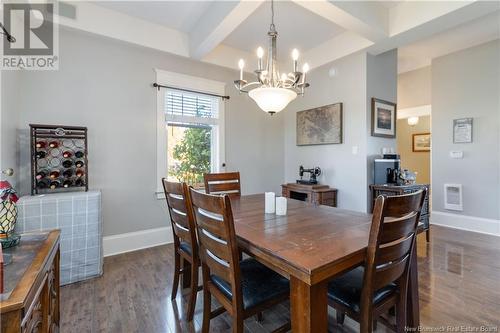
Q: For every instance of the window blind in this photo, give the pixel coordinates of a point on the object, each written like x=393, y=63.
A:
x=183, y=103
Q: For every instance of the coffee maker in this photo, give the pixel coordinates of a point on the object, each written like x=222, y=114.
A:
x=386, y=169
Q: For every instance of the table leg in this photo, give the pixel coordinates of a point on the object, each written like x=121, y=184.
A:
x=186, y=274
x=413, y=310
x=309, y=307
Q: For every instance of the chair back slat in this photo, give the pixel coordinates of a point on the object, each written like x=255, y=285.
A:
x=213, y=225
x=401, y=205
x=390, y=272
x=217, y=266
x=394, y=229
x=223, y=183
x=177, y=202
x=181, y=219
x=218, y=245
x=393, y=251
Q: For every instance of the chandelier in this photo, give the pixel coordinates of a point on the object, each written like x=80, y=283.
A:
x=273, y=91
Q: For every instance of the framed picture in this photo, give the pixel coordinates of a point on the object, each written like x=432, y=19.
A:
x=383, y=118
x=462, y=130
x=421, y=142
x=320, y=126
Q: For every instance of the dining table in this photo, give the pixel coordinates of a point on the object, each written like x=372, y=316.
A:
x=310, y=245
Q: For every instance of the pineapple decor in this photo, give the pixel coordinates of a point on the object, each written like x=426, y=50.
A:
x=8, y=215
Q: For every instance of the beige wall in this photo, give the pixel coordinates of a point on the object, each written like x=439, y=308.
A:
x=414, y=88
x=419, y=162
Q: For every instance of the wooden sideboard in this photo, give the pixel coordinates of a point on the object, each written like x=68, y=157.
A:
x=390, y=190
x=30, y=302
x=316, y=194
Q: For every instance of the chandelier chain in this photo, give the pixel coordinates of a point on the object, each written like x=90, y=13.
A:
x=272, y=15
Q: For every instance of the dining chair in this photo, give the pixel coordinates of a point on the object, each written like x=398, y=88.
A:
x=368, y=291
x=243, y=288
x=223, y=183
x=185, y=240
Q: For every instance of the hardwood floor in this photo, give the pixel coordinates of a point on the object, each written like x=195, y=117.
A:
x=459, y=274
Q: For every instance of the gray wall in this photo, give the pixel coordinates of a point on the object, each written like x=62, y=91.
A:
x=358, y=78
x=414, y=88
x=341, y=168
x=382, y=74
x=9, y=119
x=466, y=84
x=105, y=85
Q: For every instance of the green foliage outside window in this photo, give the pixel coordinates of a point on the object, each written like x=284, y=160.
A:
x=193, y=156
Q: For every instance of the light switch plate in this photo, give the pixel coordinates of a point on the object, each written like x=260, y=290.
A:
x=456, y=154
x=355, y=150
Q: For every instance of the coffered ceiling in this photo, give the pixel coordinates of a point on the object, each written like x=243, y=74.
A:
x=221, y=32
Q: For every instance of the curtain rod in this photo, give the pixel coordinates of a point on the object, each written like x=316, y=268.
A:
x=156, y=85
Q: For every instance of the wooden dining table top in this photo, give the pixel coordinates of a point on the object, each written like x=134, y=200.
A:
x=311, y=242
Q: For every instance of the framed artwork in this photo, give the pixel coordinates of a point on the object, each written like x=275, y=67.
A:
x=421, y=142
x=383, y=118
x=320, y=126
x=462, y=130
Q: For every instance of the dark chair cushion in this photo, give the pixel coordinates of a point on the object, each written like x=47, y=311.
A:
x=186, y=247
x=346, y=289
x=258, y=284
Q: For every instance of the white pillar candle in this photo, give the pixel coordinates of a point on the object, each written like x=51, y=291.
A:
x=281, y=206
x=270, y=202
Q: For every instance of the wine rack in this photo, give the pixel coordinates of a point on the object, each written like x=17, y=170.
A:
x=59, y=160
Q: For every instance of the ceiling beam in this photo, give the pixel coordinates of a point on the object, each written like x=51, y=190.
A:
x=444, y=17
x=220, y=20
x=367, y=19
x=330, y=50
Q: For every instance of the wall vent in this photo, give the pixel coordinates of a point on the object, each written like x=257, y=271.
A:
x=453, y=197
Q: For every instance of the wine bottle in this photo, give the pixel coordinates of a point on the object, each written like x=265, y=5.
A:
x=67, y=154
x=79, y=154
x=79, y=173
x=79, y=164
x=67, y=163
x=67, y=173
x=44, y=183
x=41, y=144
x=53, y=144
x=79, y=182
x=54, y=184
x=67, y=183
x=54, y=174
x=41, y=154
x=41, y=174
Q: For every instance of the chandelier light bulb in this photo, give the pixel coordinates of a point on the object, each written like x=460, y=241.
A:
x=241, y=64
x=305, y=68
x=295, y=54
x=283, y=77
x=260, y=52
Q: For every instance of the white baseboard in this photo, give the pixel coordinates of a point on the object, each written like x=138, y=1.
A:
x=466, y=222
x=133, y=241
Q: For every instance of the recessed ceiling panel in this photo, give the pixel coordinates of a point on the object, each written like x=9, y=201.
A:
x=179, y=15
x=297, y=28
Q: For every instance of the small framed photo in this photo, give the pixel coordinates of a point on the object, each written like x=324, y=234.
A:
x=421, y=142
x=383, y=118
x=462, y=130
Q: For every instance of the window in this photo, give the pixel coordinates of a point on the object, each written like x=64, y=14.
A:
x=190, y=129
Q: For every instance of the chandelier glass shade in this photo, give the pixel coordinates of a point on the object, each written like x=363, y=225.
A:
x=272, y=90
